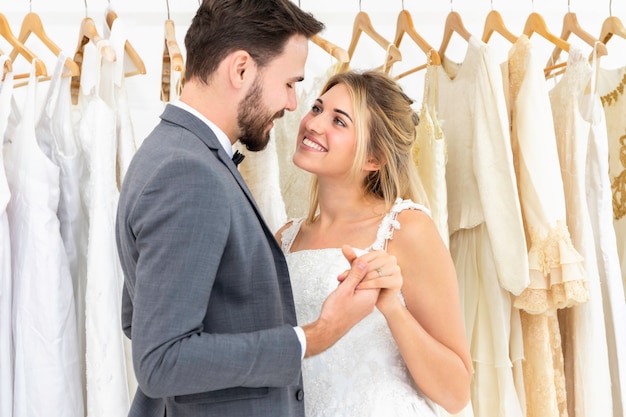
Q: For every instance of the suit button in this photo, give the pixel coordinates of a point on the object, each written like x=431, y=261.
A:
x=299, y=395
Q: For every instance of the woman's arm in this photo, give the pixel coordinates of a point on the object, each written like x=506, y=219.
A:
x=429, y=331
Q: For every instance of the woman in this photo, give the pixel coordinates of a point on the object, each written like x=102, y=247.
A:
x=411, y=351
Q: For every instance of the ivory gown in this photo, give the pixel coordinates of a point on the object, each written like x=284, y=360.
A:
x=487, y=239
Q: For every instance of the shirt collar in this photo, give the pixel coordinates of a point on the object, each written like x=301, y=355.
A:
x=221, y=136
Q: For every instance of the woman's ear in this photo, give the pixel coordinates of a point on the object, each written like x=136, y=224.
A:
x=372, y=164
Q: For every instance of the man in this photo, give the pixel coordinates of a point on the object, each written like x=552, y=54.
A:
x=207, y=299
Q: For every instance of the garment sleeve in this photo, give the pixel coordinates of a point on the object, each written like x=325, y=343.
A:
x=557, y=276
x=495, y=174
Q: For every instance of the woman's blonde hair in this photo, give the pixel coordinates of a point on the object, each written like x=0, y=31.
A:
x=385, y=129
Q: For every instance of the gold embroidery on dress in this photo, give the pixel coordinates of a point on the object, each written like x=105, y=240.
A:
x=619, y=184
x=611, y=98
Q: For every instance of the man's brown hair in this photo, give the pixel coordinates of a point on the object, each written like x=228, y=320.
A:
x=260, y=27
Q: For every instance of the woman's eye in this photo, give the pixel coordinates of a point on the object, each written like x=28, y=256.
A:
x=316, y=109
x=340, y=122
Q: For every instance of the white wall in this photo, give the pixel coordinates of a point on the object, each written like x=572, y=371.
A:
x=145, y=19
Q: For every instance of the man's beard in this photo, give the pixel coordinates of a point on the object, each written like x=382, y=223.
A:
x=254, y=119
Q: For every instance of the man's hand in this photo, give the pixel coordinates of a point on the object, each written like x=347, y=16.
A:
x=343, y=308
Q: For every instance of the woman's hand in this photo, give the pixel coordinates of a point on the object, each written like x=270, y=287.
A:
x=383, y=273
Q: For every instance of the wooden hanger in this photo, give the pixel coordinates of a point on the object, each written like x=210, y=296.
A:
x=128, y=48
x=340, y=54
x=405, y=25
x=172, y=60
x=88, y=33
x=32, y=24
x=535, y=23
x=454, y=23
x=571, y=26
x=363, y=24
x=21, y=49
x=612, y=26
x=494, y=23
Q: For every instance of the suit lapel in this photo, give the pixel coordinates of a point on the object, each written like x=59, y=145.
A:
x=200, y=129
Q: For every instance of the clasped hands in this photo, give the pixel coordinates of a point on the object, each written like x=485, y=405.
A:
x=381, y=273
x=374, y=280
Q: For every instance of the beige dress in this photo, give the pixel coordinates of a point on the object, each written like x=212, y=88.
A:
x=557, y=276
x=582, y=326
x=487, y=240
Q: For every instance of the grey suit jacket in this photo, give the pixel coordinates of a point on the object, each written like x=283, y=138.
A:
x=207, y=300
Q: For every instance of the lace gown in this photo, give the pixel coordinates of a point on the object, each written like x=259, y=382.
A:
x=557, y=276
x=363, y=374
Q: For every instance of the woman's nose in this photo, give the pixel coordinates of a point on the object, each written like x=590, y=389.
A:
x=314, y=123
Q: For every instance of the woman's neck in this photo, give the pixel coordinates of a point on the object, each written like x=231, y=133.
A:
x=347, y=204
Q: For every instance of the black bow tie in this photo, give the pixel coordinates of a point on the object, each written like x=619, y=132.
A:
x=238, y=157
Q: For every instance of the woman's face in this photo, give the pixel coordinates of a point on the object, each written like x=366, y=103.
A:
x=326, y=142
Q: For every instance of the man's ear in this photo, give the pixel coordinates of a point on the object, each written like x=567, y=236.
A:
x=242, y=68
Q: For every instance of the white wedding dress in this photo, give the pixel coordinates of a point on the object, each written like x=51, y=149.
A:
x=363, y=374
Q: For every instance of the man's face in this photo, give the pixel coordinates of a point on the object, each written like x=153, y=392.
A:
x=272, y=92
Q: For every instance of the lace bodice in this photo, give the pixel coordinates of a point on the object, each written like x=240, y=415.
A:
x=363, y=374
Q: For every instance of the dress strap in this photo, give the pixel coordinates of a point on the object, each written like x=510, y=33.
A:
x=289, y=235
x=390, y=222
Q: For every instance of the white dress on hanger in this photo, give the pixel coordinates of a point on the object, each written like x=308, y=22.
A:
x=47, y=371
x=582, y=326
x=6, y=287
x=487, y=239
x=599, y=200
x=611, y=87
x=557, y=276
x=363, y=374
x=55, y=135
x=125, y=145
x=107, y=379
